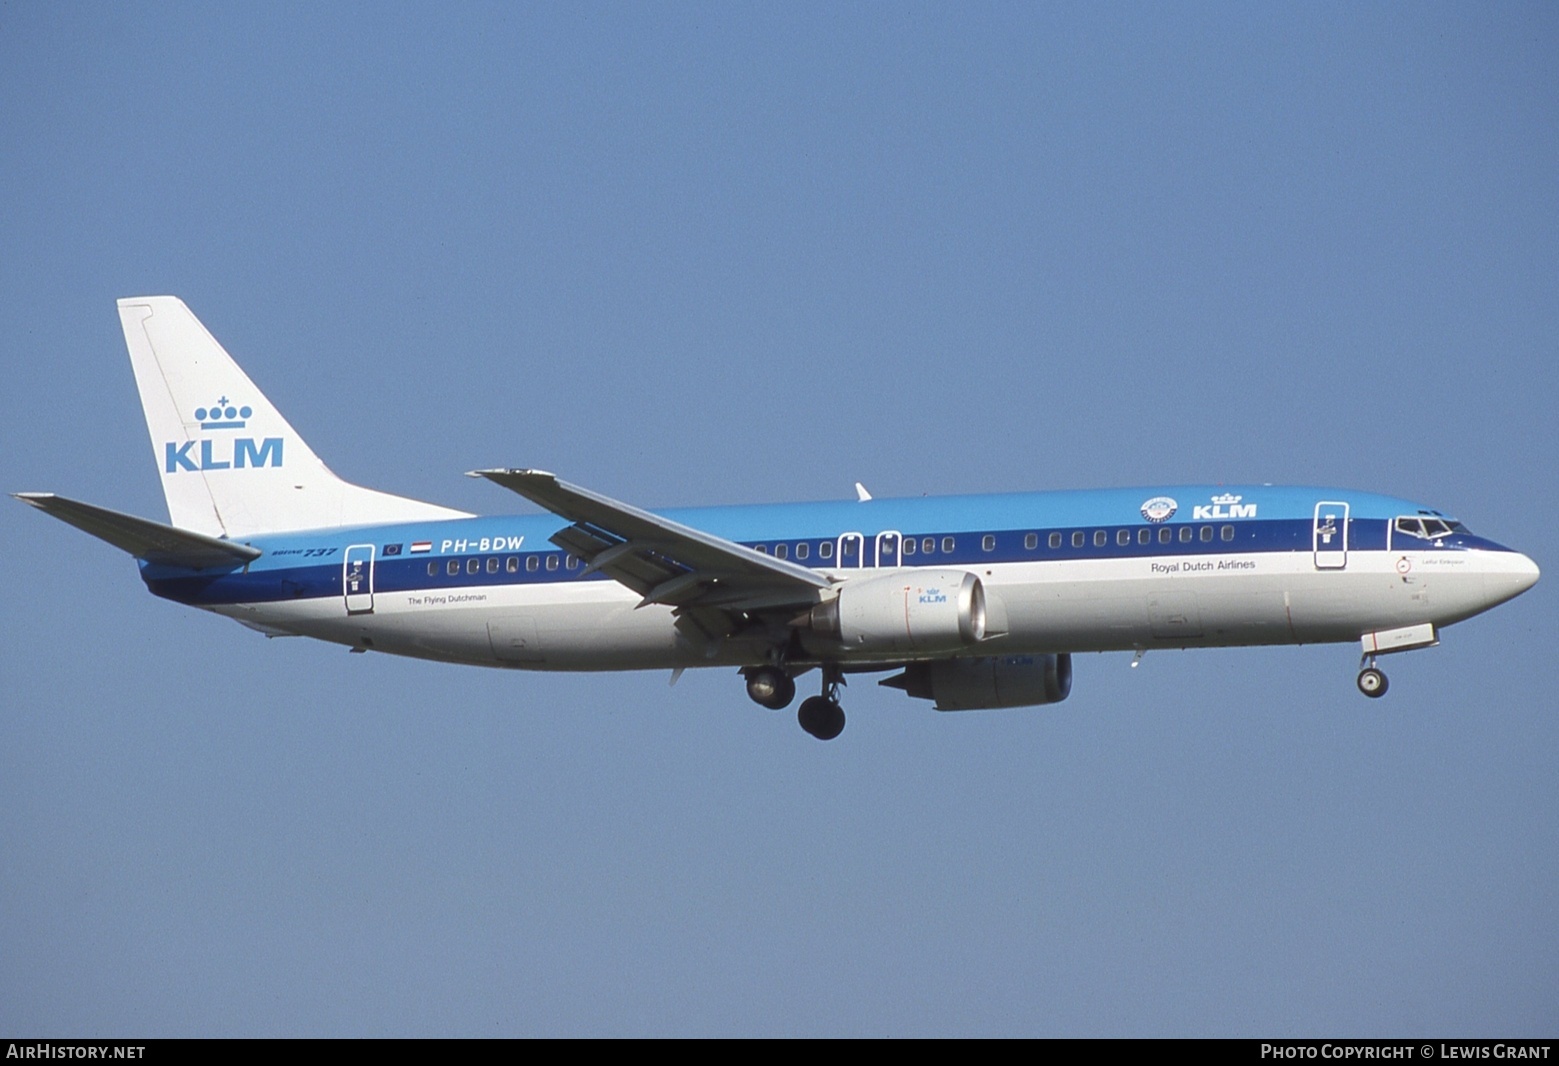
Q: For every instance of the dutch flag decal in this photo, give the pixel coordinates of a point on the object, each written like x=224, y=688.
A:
x=419, y=546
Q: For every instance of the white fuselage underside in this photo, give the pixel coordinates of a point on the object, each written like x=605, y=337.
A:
x=1213, y=600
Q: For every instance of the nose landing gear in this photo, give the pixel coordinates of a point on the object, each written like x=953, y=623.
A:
x=1371, y=682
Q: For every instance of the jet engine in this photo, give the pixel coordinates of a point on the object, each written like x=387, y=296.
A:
x=988, y=682
x=919, y=610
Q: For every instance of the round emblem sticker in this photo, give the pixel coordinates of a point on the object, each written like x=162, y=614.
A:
x=1159, y=509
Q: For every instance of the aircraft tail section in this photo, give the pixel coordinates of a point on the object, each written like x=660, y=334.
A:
x=231, y=465
x=152, y=541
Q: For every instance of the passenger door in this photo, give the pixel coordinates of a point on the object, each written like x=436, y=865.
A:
x=1329, y=536
x=357, y=579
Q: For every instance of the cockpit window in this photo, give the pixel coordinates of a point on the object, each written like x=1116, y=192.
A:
x=1428, y=528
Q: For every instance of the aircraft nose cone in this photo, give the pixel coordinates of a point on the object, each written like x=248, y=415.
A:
x=1515, y=574
x=1527, y=574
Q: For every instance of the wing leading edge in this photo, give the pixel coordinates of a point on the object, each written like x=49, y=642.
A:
x=701, y=575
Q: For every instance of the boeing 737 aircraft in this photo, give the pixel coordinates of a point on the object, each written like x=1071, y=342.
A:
x=972, y=601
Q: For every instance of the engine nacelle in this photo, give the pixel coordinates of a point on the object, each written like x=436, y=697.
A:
x=989, y=682
x=917, y=610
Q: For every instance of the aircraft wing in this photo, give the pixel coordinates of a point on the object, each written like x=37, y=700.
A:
x=141, y=537
x=664, y=561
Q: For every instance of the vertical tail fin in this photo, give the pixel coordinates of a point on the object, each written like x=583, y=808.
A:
x=230, y=463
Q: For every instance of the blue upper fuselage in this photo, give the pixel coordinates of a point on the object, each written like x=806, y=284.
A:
x=941, y=531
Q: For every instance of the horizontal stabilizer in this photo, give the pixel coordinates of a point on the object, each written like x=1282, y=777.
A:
x=142, y=538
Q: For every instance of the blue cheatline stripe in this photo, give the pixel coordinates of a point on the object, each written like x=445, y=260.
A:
x=1083, y=509
x=316, y=571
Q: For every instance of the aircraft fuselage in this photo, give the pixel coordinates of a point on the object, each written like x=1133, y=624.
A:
x=1063, y=571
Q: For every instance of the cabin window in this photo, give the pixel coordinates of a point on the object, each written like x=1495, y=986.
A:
x=803, y=550
x=761, y=549
x=825, y=550
x=1031, y=541
x=492, y=564
x=1144, y=535
x=432, y=568
x=1165, y=535
x=1078, y=539
x=1055, y=540
x=473, y=566
x=781, y=551
x=552, y=562
x=1207, y=534
x=512, y=564
x=988, y=543
x=1123, y=537
x=909, y=545
x=452, y=567
x=928, y=545
x=1100, y=538
x=1185, y=534
x=533, y=563
x=1227, y=532
x=947, y=545
x=571, y=562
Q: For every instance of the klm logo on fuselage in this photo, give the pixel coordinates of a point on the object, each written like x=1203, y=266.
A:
x=933, y=596
x=1225, y=506
x=243, y=453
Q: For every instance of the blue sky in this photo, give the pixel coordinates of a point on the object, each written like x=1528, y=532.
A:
x=698, y=254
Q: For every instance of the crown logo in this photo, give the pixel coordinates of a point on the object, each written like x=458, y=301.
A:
x=222, y=415
x=1228, y=499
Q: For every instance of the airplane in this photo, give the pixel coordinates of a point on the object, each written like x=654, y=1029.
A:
x=972, y=602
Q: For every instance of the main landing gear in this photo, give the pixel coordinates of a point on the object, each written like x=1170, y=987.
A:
x=821, y=716
x=771, y=687
x=1372, y=682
